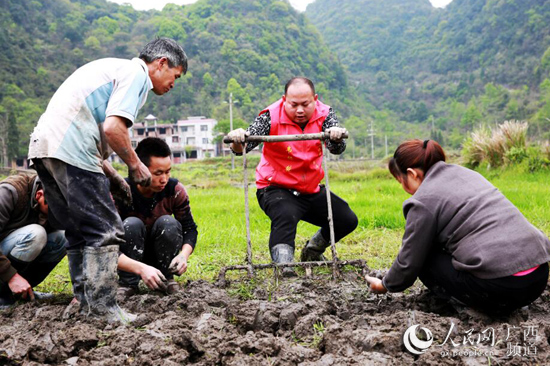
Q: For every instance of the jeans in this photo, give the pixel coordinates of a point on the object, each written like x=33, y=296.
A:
x=33, y=252
x=286, y=209
x=156, y=248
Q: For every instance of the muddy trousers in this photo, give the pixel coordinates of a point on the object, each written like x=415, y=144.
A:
x=156, y=248
x=495, y=296
x=286, y=208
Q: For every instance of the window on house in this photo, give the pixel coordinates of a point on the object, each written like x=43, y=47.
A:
x=175, y=139
x=204, y=127
x=205, y=141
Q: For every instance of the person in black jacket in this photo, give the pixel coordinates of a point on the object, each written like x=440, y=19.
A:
x=29, y=248
x=463, y=238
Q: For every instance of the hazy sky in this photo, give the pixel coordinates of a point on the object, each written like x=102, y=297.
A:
x=159, y=4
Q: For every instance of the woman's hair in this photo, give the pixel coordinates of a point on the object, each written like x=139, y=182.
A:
x=415, y=154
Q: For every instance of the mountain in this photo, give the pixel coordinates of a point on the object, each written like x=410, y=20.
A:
x=248, y=48
x=474, y=62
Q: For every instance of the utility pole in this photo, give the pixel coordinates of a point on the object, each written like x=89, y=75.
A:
x=371, y=134
x=231, y=127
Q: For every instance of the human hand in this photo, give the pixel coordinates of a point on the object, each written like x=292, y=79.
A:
x=153, y=278
x=179, y=264
x=376, y=285
x=239, y=135
x=336, y=134
x=140, y=175
x=120, y=190
x=20, y=286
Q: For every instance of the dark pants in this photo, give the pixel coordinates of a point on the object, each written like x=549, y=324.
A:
x=156, y=248
x=80, y=203
x=286, y=209
x=496, y=296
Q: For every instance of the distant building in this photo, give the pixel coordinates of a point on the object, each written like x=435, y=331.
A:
x=190, y=138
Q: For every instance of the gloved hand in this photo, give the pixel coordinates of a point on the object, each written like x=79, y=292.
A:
x=239, y=135
x=120, y=190
x=179, y=264
x=336, y=134
x=140, y=175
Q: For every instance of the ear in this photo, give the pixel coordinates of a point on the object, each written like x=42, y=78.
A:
x=39, y=194
x=412, y=173
x=284, y=98
x=315, y=97
x=162, y=61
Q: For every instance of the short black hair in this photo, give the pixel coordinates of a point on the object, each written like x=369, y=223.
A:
x=300, y=80
x=152, y=146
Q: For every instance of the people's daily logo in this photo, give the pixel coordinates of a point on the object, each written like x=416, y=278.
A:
x=413, y=344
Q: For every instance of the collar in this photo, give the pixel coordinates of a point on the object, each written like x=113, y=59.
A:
x=146, y=69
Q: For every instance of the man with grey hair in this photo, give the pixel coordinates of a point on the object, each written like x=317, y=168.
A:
x=86, y=120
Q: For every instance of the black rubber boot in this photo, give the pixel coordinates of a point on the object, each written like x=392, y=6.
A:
x=100, y=284
x=284, y=253
x=6, y=297
x=314, y=249
x=75, y=259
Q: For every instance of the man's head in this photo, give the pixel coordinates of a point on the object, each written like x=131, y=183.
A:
x=156, y=155
x=40, y=198
x=166, y=61
x=300, y=100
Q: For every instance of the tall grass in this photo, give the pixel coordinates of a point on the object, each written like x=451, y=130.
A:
x=503, y=144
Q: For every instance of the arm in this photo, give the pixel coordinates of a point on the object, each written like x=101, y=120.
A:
x=260, y=127
x=418, y=240
x=336, y=145
x=118, y=139
x=152, y=277
x=119, y=188
x=182, y=213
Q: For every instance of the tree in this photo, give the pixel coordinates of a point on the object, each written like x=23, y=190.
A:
x=13, y=137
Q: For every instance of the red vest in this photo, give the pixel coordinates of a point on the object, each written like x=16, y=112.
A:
x=295, y=165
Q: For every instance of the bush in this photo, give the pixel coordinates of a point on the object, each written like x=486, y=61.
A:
x=505, y=144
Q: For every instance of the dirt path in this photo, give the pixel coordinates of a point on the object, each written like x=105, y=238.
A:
x=299, y=322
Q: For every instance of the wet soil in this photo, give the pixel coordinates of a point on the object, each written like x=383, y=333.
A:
x=293, y=322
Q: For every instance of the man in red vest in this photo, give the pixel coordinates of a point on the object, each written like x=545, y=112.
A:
x=289, y=173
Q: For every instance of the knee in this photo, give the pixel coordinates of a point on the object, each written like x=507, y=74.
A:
x=33, y=242
x=133, y=226
x=348, y=222
x=166, y=226
x=56, y=245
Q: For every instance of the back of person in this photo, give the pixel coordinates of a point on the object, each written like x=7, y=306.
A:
x=478, y=225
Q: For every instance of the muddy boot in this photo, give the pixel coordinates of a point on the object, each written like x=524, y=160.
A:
x=75, y=258
x=6, y=297
x=314, y=249
x=100, y=284
x=172, y=287
x=284, y=253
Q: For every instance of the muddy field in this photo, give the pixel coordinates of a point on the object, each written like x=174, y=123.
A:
x=293, y=322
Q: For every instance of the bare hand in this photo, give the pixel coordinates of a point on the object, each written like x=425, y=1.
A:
x=153, y=278
x=179, y=264
x=120, y=190
x=140, y=175
x=376, y=285
x=239, y=135
x=20, y=286
x=336, y=134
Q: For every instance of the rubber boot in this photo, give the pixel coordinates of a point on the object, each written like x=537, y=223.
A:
x=283, y=253
x=314, y=249
x=100, y=284
x=6, y=297
x=75, y=258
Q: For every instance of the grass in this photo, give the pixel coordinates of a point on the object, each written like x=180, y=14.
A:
x=217, y=203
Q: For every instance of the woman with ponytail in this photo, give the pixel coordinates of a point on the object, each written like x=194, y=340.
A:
x=463, y=238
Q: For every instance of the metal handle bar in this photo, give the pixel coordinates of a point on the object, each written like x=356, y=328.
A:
x=281, y=138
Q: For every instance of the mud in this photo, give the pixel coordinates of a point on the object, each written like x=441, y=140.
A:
x=294, y=322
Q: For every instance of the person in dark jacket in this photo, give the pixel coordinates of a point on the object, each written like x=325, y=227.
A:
x=159, y=229
x=463, y=238
x=29, y=248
